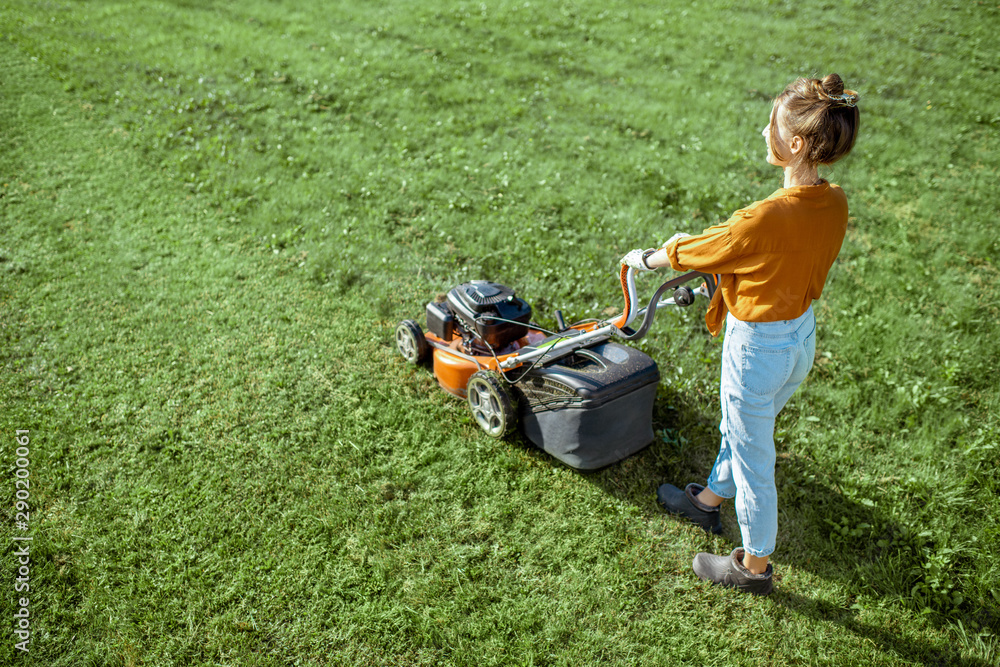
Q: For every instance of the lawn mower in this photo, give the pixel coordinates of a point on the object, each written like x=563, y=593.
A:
x=577, y=394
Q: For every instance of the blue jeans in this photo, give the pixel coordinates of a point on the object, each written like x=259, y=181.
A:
x=763, y=363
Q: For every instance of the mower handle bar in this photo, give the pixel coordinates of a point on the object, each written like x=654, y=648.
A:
x=649, y=312
x=620, y=326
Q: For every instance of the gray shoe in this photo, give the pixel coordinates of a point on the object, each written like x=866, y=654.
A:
x=729, y=571
x=683, y=503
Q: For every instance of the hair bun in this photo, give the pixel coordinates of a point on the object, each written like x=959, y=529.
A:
x=834, y=91
x=832, y=84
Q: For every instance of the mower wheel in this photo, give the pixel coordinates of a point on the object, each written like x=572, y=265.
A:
x=410, y=341
x=491, y=403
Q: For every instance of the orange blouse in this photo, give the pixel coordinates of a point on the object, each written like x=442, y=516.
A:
x=772, y=257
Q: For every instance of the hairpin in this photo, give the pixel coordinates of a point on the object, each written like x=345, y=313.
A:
x=846, y=100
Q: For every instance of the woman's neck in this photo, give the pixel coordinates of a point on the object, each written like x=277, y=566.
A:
x=801, y=174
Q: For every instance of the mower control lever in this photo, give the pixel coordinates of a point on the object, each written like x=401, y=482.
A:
x=704, y=291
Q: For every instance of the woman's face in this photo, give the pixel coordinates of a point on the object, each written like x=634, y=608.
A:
x=785, y=144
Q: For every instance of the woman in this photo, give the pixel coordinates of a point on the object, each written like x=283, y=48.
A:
x=772, y=259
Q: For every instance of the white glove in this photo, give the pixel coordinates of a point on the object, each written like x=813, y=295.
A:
x=636, y=259
x=678, y=235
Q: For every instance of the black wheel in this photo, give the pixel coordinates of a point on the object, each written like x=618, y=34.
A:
x=491, y=403
x=410, y=341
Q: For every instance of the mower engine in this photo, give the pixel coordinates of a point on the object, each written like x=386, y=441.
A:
x=488, y=316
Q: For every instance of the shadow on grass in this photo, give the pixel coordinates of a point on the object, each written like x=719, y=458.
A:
x=818, y=526
x=907, y=648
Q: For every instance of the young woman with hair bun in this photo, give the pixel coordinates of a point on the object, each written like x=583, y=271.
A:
x=772, y=260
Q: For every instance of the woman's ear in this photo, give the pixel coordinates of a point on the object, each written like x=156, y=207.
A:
x=796, y=145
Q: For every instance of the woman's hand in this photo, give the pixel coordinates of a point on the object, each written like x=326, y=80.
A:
x=636, y=259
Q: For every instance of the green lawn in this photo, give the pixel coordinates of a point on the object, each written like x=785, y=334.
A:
x=213, y=214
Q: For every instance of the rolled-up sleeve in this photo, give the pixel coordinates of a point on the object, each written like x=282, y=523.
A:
x=712, y=251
